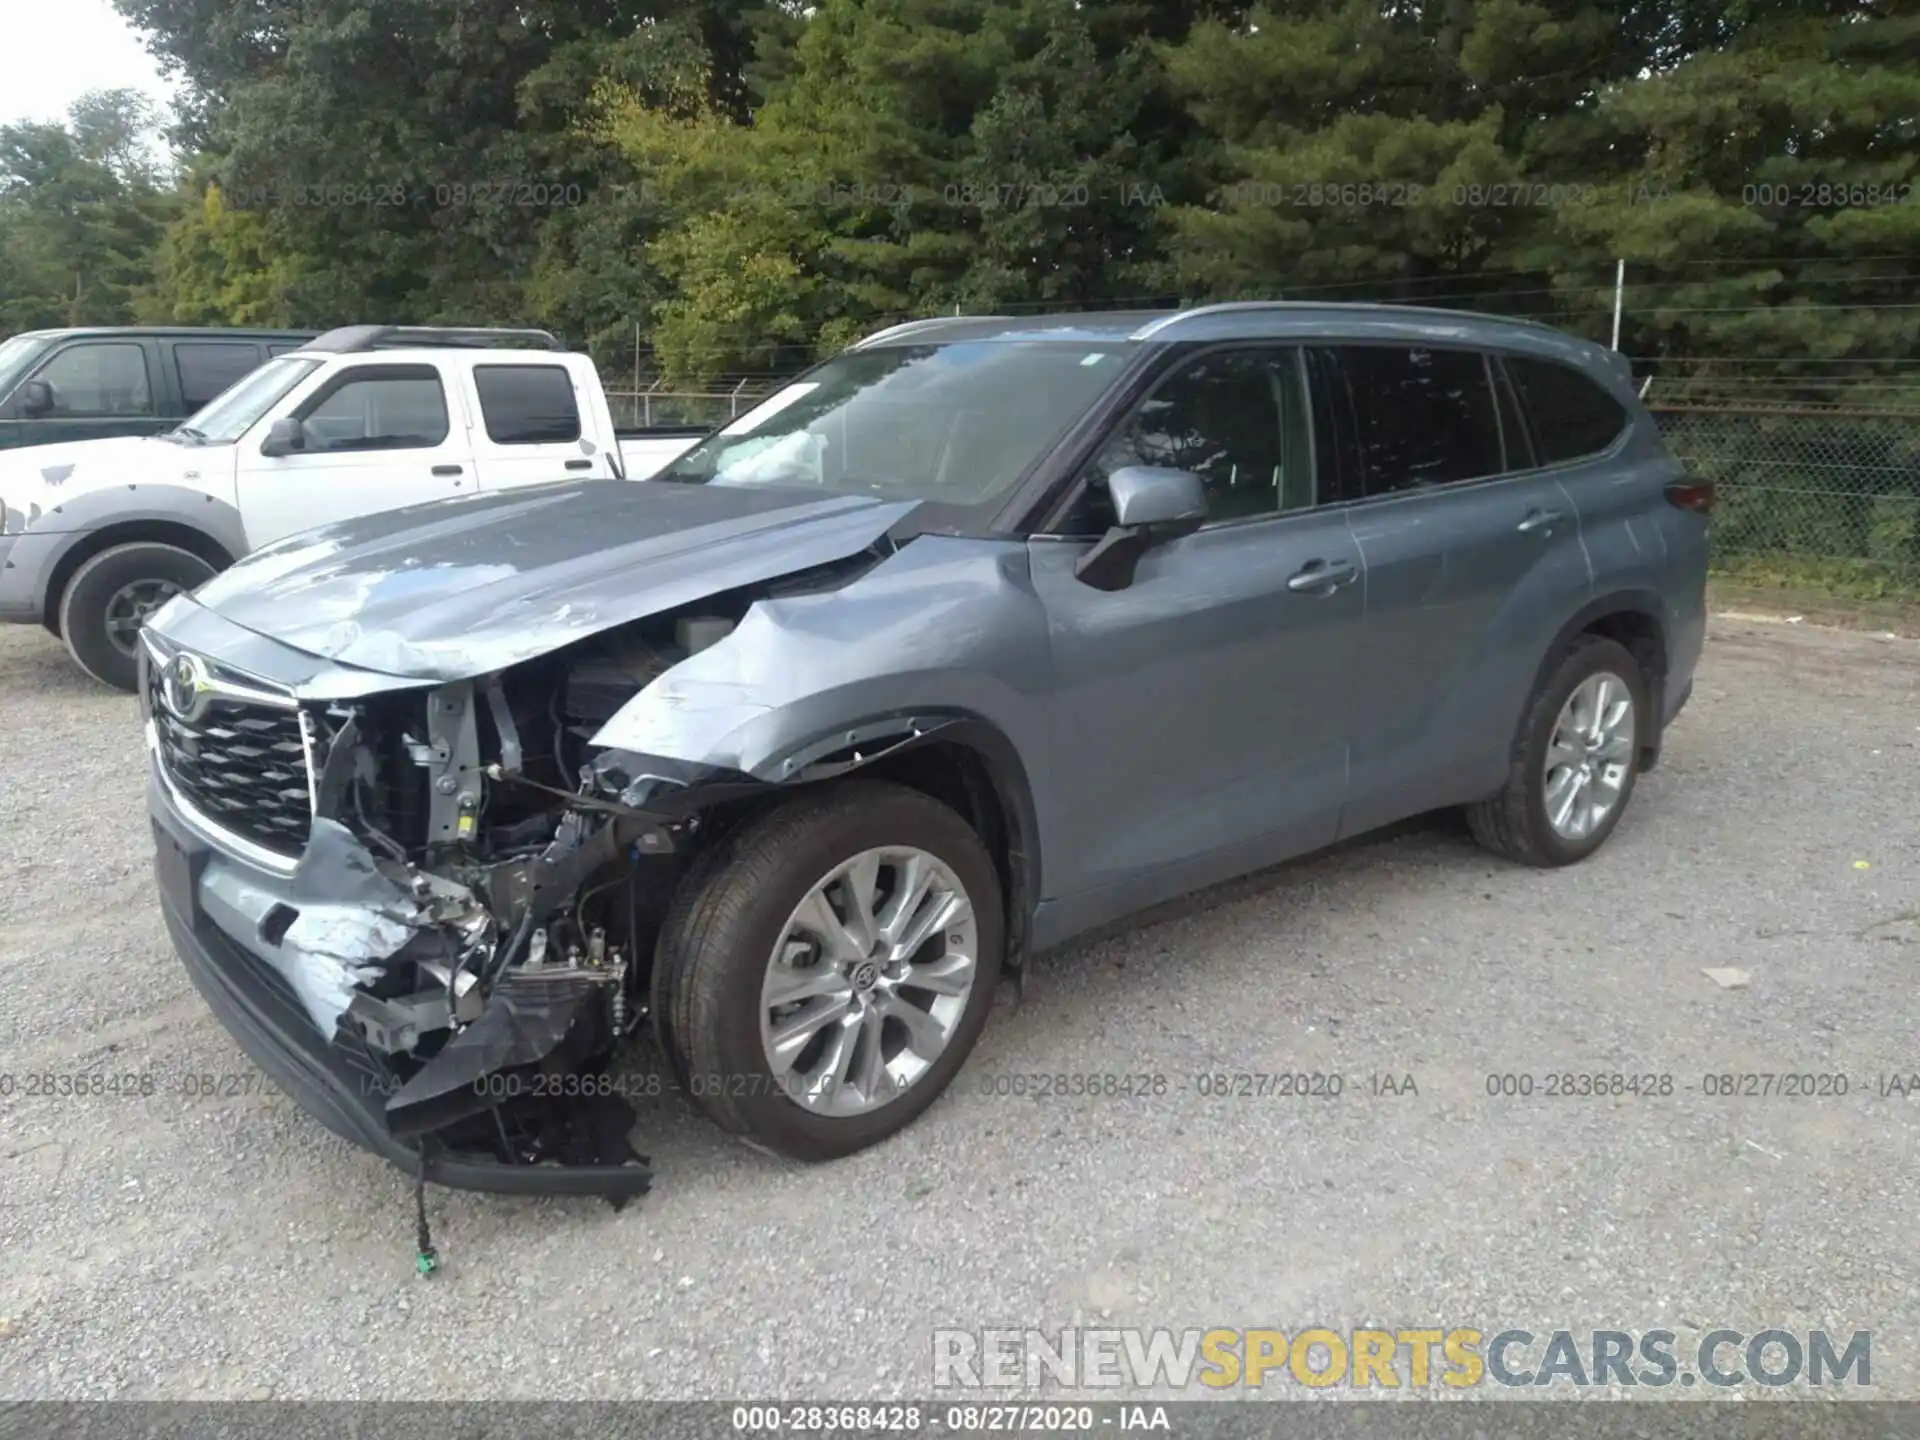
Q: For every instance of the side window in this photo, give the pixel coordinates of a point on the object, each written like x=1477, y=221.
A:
x=527, y=404
x=1421, y=417
x=208, y=367
x=1236, y=418
x=286, y=347
x=1513, y=424
x=91, y=381
x=1571, y=416
x=384, y=407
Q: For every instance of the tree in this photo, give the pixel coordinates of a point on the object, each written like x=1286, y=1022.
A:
x=220, y=266
x=1354, y=142
x=81, y=213
x=1787, y=156
x=913, y=156
x=412, y=151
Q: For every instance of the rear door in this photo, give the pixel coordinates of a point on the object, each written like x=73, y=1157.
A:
x=1200, y=722
x=378, y=436
x=1473, y=563
x=531, y=424
x=205, y=368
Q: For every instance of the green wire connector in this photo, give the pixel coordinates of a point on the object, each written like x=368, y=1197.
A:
x=426, y=1259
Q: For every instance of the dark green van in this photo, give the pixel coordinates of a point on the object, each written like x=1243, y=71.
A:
x=89, y=384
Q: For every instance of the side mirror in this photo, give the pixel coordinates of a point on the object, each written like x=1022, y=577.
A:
x=1151, y=506
x=284, y=437
x=36, y=399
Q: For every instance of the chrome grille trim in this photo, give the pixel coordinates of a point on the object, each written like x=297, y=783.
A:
x=209, y=828
x=224, y=681
x=243, y=771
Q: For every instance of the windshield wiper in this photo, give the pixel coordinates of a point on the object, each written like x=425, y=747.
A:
x=187, y=432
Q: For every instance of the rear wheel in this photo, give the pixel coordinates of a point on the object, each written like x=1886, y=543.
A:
x=1575, y=765
x=821, y=981
x=110, y=597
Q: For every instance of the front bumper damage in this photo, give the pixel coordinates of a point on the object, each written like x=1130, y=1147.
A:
x=418, y=1014
x=427, y=905
x=499, y=1105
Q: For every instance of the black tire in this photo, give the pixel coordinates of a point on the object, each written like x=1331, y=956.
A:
x=726, y=919
x=93, y=588
x=1514, y=822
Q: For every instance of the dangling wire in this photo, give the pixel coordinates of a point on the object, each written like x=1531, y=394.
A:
x=426, y=1259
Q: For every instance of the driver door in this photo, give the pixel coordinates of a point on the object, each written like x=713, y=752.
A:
x=377, y=437
x=1202, y=716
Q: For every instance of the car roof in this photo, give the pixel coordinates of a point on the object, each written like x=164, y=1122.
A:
x=162, y=332
x=427, y=354
x=1265, y=320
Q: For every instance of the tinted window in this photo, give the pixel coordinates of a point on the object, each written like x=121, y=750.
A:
x=1421, y=417
x=1235, y=418
x=206, y=369
x=1571, y=415
x=393, y=407
x=1513, y=426
x=527, y=404
x=88, y=380
x=286, y=349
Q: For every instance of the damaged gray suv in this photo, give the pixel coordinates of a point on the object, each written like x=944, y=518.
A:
x=980, y=635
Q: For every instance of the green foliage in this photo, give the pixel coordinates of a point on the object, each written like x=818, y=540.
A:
x=219, y=266
x=1782, y=154
x=748, y=185
x=910, y=156
x=81, y=211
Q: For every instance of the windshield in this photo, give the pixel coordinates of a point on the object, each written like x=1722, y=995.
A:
x=16, y=354
x=231, y=413
x=956, y=424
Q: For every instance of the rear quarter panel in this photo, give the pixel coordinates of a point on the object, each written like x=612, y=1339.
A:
x=1638, y=542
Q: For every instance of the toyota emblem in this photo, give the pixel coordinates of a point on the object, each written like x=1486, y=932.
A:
x=184, y=688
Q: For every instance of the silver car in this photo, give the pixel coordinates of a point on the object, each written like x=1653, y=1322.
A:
x=979, y=635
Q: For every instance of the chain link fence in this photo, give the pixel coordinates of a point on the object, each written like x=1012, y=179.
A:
x=1822, y=498
x=1825, y=497
x=656, y=405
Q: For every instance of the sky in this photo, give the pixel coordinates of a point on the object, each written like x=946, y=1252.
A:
x=57, y=50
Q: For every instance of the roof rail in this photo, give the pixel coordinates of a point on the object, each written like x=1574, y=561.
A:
x=910, y=327
x=355, y=339
x=1155, y=327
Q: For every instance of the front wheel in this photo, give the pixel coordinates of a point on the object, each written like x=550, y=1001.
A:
x=1576, y=761
x=110, y=597
x=820, y=981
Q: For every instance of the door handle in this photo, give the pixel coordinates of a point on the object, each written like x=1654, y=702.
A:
x=446, y=470
x=1317, y=577
x=579, y=464
x=1539, y=520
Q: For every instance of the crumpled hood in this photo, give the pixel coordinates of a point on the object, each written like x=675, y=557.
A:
x=35, y=479
x=456, y=588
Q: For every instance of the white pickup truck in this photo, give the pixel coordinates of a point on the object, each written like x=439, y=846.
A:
x=96, y=534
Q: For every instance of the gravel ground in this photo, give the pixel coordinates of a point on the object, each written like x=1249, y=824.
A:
x=178, y=1248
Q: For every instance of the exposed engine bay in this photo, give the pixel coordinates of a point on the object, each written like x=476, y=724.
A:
x=494, y=883
x=525, y=893
x=433, y=801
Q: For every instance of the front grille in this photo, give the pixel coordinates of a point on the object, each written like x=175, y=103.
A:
x=242, y=765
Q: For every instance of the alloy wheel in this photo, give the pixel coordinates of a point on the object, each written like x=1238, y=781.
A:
x=868, y=981
x=1590, y=755
x=130, y=606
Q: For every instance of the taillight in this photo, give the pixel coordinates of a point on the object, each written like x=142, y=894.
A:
x=1694, y=495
